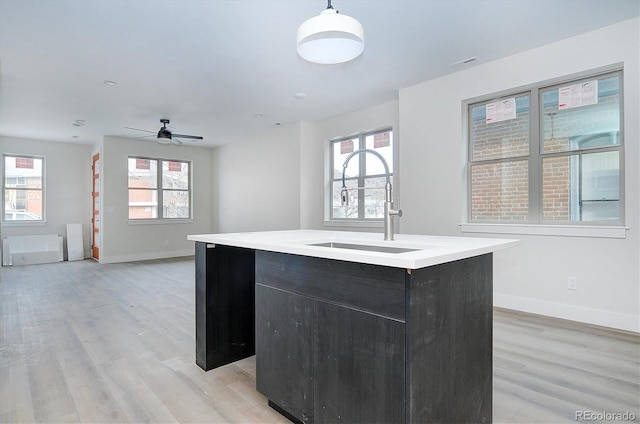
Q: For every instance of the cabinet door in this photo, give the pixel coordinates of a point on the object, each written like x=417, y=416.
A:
x=225, y=289
x=284, y=325
x=359, y=367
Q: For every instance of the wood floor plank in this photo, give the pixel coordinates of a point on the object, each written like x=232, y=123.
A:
x=94, y=402
x=15, y=394
x=137, y=401
x=85, y=342
x=51, y=398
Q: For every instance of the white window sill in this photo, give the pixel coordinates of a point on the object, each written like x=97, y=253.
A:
x=164, y=221
x=547, y=230
x=24, y=223
x=354, y=224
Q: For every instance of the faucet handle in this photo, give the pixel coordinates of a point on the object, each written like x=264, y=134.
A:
x=344, y=194
x=395, y=212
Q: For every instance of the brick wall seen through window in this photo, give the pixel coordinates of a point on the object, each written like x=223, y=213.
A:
x=558, y=165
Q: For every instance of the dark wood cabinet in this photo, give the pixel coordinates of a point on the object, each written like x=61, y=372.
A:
x=450, y=342
x=346, y=342
x=347, y=321
x=225, y=297
x=284, y=338
x=359, y=374
x=339, y=341
x=321, y=362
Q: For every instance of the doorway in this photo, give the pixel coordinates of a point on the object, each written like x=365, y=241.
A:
x=95, y=209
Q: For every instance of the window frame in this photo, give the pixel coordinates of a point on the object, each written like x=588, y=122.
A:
x=536, y=223
x=361, y=138
x=580, y=153
x=501, y=160
x=24, y=222
x=160, y=189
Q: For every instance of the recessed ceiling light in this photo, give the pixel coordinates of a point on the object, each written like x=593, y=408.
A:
x=259, y=115
x=79, y=123
x=299, y=95
x=110, y=83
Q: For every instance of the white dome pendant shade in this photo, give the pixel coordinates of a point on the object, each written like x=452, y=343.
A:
x=330, y=38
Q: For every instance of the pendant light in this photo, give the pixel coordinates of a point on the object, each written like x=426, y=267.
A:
x=330, y=38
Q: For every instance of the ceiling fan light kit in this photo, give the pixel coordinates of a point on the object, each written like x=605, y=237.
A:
x=330, y=38
x=166, y=136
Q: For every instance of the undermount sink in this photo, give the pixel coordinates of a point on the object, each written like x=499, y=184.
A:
x=369, y=248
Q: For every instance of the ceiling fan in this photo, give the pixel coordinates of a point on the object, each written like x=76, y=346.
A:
x=166, y=135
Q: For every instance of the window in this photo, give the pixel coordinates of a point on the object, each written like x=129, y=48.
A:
x=549, y=155
x=365, y=176
x=159, y=189
x=23, y=188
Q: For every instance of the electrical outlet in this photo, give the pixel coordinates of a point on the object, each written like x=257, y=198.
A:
x=572, y=283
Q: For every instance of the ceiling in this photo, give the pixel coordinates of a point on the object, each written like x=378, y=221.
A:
x=228, y=70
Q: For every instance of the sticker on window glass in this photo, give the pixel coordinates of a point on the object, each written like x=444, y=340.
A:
x=576, y=95
x=24, y=163
x=143, y=164
x=175, y=166
x=500, y=111
x=381, y=140
x=346, y=147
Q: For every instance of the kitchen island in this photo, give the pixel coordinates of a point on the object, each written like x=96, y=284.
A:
x=349, y=328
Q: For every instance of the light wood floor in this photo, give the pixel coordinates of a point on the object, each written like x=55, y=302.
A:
x=84, y=342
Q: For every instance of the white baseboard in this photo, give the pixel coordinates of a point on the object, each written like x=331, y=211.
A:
x=146, y=256
x=620, y=321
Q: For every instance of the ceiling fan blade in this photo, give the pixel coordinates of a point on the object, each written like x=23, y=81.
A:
x=194, y=137
x=138, y=129
x=145, y=136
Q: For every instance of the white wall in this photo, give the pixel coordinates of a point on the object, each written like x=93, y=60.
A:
x=123, y=240
x=258, y=182
x=532, y=277
x=67, y=190
x=312, y=182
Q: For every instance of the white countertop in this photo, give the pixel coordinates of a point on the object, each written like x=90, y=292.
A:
x=430, y=250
